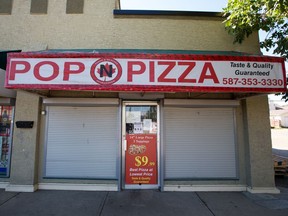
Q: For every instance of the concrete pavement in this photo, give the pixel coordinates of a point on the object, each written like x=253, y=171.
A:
x=144, y=202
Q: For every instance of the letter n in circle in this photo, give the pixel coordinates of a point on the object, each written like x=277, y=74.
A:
x=108, y=70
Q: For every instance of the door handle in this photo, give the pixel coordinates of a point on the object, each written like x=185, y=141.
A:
x=125, y=145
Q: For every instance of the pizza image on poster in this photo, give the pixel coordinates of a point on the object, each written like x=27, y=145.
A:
x=141, y=159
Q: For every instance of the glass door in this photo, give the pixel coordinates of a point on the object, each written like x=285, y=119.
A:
x=6, y=125
x=140, y=145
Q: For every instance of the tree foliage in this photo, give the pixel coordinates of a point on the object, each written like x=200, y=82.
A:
x=243, y=17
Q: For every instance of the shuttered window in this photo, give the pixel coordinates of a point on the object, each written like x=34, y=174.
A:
x=6, y=6
x=199, y=143
x=39, y=6
x=74, y=6
x=82, y=142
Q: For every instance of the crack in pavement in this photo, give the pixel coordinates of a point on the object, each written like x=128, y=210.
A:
x=1, y=204
x=205, y=204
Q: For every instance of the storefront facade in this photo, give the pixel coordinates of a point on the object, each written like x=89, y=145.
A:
x=156, y=116
x=152, y=139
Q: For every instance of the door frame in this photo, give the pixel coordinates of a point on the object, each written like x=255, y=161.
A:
x=123, y=144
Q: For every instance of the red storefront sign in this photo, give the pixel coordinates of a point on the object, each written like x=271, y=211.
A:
x=145, y=72
x=141, y=159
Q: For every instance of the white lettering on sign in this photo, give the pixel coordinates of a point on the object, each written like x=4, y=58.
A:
x=116, y=73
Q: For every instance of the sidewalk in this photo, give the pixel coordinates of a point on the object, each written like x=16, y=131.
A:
x=144, y=202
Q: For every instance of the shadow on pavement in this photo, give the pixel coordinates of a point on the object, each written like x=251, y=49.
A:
x=281, y=181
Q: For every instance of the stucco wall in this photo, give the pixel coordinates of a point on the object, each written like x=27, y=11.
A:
x=97, y=27
x=258, y=143
x=24, y=159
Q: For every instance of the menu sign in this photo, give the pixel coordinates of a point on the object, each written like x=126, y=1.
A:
x=141, y=159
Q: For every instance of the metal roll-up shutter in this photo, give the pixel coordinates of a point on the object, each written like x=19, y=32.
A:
x=199, y=143
x=82, y=142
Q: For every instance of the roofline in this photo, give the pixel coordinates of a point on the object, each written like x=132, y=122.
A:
x=168, y=13
x=148, y=51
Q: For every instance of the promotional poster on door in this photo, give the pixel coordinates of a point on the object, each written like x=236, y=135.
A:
x=141, y=159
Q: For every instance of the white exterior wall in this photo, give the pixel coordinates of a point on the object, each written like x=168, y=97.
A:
x=284, y=121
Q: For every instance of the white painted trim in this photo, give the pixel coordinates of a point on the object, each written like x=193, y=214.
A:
x=80, y=101
x=220, y=188
x=206, y=188
x=21, y=188
x=78, y=187
x=269, y=190
x=201, y=103
x=3, y=185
